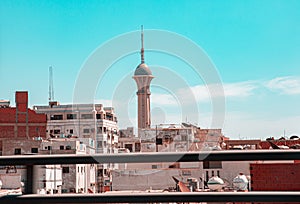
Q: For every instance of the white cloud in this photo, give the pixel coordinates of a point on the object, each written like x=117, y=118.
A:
x=240, y=89
x=203, y=93
x=289, y=85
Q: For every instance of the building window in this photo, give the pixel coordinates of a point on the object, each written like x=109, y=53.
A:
x=87, y=116
x=17, y=151
x=71, y=116
x=34, y=150
x=57, y=131
x=49, y=148
x=129, y=147
x=218, y=173
x=61, y=147
x=100, y=172
x=86, y=130
x=99, y=144
x=212, y=164
x=154, y=166
x=56, y=117
x=65, y=170
x=68, y=147
x=98, y=116
x=99, y=129
x=71, y=131
x=137, y=147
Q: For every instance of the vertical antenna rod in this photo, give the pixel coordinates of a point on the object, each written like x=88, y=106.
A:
x=142, y=42
x=51, y=89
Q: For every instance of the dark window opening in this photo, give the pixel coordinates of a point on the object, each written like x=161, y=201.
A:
x=61, y=147
x=71, y=131
x=68, y=147
x=18, y=151
x=154, y=166
x=56, y=117
x=99, y=144
x=66, y=170
x=137, y=147
x=99, y=130
x=71, y=116
x=128, y=146
x=99, y=172
x=87, y=116
x=159, y=141
x=34, y=150
x=212, y=164
x=56, y=131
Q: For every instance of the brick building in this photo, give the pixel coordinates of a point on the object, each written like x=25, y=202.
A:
x=275, y=177
x=20, y=121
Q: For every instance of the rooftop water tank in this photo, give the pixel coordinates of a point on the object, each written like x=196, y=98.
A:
x=240, y=182
x=215, y=183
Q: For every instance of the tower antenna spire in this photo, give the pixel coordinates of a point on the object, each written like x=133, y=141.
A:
x=142, y=43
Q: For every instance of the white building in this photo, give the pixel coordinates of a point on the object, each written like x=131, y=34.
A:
x=94, y=125
x=82, y=121
x=76, y=178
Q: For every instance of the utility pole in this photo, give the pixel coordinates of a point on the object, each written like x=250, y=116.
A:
x=51, y=88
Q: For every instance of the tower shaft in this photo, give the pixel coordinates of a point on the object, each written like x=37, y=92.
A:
x=143, y=94
x=143, y=77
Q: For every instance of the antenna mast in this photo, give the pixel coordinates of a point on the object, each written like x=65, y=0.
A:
x=142, y=43
x=51, y=89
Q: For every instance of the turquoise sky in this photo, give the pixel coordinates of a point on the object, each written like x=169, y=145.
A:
x=255, y=46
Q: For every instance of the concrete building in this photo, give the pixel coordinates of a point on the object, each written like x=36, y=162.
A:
x=143, y=77
x=77, y=178
x=93, y=125
x=20, y=121
x=173, y=138
x=128, y=142
x=167, y=138
x=83, y=121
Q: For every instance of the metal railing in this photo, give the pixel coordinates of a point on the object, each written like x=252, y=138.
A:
x=235, y=155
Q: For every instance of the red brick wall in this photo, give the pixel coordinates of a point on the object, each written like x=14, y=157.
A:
x=36, y=122
x=22, y=100
x=275, y=177
x=266, y=144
